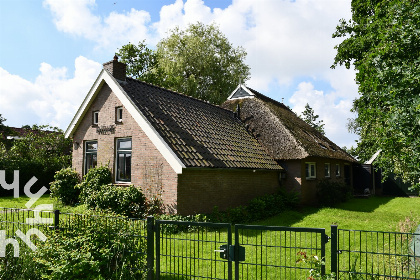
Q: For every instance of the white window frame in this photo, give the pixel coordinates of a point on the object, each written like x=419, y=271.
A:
x=95, y=117
x=125, y=152
x=337, y=170
x=118, y=114
x=327, y=170
x=310, y=175
x=88, y=152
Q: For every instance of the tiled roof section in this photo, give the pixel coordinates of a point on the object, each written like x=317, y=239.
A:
x=283, y=134
x=200, y=134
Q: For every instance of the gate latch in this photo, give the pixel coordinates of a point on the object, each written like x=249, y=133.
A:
x=224, y=253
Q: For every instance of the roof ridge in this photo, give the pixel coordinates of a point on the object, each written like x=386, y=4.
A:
x=269, y=99
x=179, y=93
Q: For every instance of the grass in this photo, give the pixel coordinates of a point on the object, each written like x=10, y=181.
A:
x=181, y=250
x=19, y=202
x=11, y=202
x=374, y=213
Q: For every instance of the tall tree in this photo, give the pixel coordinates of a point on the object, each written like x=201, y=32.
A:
x=198, y=61
x=382, y=41
x=141, y=62
x=309, y=117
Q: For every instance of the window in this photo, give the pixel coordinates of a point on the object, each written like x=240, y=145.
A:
x=310, y=170
x=95, y=119
x=337, y=170
x=123, y=160
x=118, y=114
x=327, y=171
x=91, y=155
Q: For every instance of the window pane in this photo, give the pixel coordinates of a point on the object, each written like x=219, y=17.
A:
x=95, y=117
x=312, y=170
x=92, y=146
x=128, y=167
x=124, y=167
x=327, y=170
x=124, y=144
x=91, y=161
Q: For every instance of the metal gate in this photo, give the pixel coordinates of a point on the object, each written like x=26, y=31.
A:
x=193, y=250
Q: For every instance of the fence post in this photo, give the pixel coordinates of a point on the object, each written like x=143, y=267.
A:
x=150, y=248
x=56, y=219
x=334, y=251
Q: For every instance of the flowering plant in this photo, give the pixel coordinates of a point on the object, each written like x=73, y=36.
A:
x=316, y=263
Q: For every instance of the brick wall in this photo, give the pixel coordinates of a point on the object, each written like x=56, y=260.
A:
x=150, y=171
x=199, y=190
x=306, y=188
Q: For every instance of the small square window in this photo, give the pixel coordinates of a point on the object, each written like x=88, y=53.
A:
x=327, y=171
x=95, y=119
x=118, y=114
x=310, y=168
x=337, y=170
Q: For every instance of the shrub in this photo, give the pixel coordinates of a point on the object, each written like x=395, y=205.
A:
x=257, y=209
x=171, y=228
x=128, y=201
x=92, y=247
x=40, y=153
x=96, y=191
x=20, y=268
x=63, y=186
x=92, y=183
x=330, y=193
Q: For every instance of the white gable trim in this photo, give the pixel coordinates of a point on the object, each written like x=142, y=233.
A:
x=244, y=88
x=145, y=125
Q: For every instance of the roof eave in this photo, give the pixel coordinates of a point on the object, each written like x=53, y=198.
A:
x=104, y=77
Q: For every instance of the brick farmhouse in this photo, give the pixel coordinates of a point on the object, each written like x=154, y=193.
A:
x=195, y=155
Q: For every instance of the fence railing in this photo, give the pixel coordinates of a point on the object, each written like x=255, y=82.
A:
x=185, y=250
x=377, y=254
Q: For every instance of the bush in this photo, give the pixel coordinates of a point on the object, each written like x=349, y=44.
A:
x=330, y=193
x=257, y=209
x=93, y=247
x=40, y=153
x=92, y=183
x=96, y=191
x=63, y=186
x=128, y=201
x=20, y=268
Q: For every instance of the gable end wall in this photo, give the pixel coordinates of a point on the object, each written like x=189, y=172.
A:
x=150, y=170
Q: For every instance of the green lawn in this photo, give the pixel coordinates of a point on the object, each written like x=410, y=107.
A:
x=192, y=253
x=11, y=202
x=374, y=213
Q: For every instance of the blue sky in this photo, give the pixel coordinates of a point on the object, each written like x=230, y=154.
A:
x=51, y=51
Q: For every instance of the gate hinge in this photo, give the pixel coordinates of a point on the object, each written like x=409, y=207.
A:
x=328, y=238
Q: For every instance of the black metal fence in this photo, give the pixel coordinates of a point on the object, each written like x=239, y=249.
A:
x=365, y=254
x=193, y=250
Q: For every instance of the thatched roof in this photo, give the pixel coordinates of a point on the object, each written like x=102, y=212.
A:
x=284, y=135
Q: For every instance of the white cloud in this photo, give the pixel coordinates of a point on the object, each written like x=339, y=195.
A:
x=52, y=99
x=110, y=32
x=286, y=42
x=331, y=107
